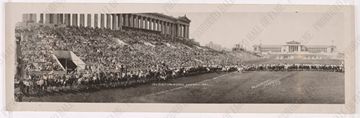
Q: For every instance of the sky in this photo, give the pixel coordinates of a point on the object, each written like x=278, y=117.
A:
x=251, y=28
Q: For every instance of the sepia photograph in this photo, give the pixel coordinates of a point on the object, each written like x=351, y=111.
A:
x=281, y=55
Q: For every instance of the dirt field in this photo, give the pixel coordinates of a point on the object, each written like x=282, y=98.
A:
x=248, y=87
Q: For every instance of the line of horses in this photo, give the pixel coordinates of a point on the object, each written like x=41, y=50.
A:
x=47, y=84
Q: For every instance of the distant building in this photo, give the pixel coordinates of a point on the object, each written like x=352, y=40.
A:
x=215, y=46
x=239, y=47
x=294, y=49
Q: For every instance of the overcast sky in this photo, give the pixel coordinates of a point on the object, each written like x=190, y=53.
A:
x=231, y=28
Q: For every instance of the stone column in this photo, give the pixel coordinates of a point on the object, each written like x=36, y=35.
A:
x=135, y=21
x=60, y=19
x=62, y=16
x=115, y=22
x=150, y=24
x=70, y=19
x=56, y=19
x=74, y=20
x=82, y=20
x=166, y=28
x=153, y=24
x=140, y=22
x=67, y=19
x=120, y=19
x=41, y=18
x=163, y=27
x=170, y=29
x=146, y=23
x=126, y=19
x=47, y=19
x=160, y=26
x=131, y=17
x=157, y=25
x=88, y=20
x=186, y=31
x=53, y=19
x=173, y=30
x=96, y=20
x=34, y=18
x=178, y=30
x=108, y=21
x=288, y=48
x=102, y=20
x=182, y=30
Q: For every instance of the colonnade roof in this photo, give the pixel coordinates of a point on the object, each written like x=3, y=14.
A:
x=182, y=19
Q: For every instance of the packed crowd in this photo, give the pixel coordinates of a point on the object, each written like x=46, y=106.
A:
x=101, y=47
x=36, y=45
x=107, y=51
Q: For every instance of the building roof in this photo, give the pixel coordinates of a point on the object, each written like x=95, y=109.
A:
x=270, y=46
x=292, y=42
x=319, y=46
x=184, y=18
x=181, y=18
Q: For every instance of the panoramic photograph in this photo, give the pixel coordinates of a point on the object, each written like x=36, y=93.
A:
x=181, y=57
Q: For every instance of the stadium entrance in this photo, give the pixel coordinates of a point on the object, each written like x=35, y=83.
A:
x=68, y=64
x=69, y=60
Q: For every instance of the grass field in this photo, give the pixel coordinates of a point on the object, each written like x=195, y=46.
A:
x=248, y=87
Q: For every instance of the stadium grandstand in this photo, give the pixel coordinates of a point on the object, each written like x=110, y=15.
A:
x=87, y=52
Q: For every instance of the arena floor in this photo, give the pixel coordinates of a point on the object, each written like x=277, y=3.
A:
x=235, y=87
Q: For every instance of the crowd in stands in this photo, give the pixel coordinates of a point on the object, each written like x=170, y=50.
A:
x=105, y=50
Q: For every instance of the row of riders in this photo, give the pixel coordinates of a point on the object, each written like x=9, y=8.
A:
x=38, y=85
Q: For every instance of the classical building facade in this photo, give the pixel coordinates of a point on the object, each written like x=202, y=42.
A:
x=168, y=25
x=294, y=47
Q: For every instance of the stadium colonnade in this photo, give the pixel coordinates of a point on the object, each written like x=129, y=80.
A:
x=168, y=25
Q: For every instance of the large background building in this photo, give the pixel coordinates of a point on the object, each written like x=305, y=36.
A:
x=294, y=49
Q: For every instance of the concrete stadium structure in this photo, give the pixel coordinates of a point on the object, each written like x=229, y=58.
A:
x=168, y=25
